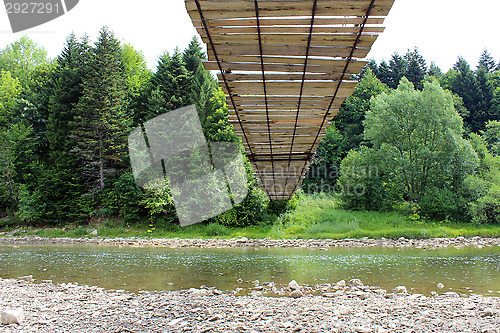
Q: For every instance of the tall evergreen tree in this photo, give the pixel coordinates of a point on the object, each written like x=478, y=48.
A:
x=465, y=85
x=434, y=70
x=416, y=68
x=102, y=121
x=384, y=74
x=487, y=61
x=397, y=67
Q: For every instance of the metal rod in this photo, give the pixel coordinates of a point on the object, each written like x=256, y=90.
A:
x=313, y=15
x=265, y=88
x=349, y=59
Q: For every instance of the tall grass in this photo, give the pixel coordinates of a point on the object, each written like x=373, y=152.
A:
x=316, y=216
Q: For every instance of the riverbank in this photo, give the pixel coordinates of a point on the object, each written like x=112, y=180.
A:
x=340, y=308
x=431, y=243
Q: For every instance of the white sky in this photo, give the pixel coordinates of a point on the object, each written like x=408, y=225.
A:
x=441, y=29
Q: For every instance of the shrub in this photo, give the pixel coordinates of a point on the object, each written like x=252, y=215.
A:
x=215, y=229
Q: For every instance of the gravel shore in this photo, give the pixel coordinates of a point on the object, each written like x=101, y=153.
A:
x=245, y=242
x=341, y=308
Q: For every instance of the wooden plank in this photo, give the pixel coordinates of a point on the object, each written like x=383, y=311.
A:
x=241, y=77
x=311, y=61
x=294, y=89
x=292, y=40
x=333, y=51
x=305, y=30
x=246, y=9
x=289, y=21
x=335, y=67
x=303, y=5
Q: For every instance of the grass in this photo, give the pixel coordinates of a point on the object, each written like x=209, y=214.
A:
x=316, y=216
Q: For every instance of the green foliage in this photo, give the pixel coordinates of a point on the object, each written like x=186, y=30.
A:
x=215, y=229
x=21, y=58
x=344, y=134
x=417, y=147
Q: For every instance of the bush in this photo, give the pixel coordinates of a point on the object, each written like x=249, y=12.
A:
x=439, y=204
x=215, y=229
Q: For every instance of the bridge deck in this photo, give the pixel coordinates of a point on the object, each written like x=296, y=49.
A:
x=286, y=68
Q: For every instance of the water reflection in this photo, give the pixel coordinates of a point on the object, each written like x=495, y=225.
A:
x=463, y=270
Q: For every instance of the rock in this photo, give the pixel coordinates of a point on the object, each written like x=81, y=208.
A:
x=440, y=285
x=199, y=292
x=256, y=282
x=94, y=232
x=345, y=311
x=293, y=285
x=296, y=294
x=340, y=284
x=488, y=312
x=28, y=278
x=240, y=280
x=242, y=240
x=355, y=283
x=362, y=295
x=12, y=316
x=400, y=289
x=363, y=330
x=451, y=294
x=175, y=321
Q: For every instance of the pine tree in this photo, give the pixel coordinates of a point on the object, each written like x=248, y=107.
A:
x=487, y=91
x=102, y=120
x=465, y=85
x=416, y=68
x=397, y=67
x=384, y=74
x=434, y=70
x=172, y=85
x=203, y=84
x=486, y=61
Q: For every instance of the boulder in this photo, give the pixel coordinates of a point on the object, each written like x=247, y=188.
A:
x=12, y=316
x=28, y=278
x=293, y=285
x=340, y=284
x=296, y=294
x=355, y=283
x=400, y=289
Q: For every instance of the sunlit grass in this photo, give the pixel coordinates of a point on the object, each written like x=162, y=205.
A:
x=316, y=216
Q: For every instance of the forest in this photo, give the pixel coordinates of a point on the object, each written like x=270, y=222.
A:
x=412, y=139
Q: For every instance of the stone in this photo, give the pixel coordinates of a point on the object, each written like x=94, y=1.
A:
x=340, y=284
x=293, y=285
x=199, y=292
x=488, y=312
x=451, y=294
x=8, y=317
x=440, y=285
x=400, y=289
x=296, y=294
x=94, y=232
x=355, y=283
x=242, y=240
x=362, y=295
x=240, y=280
x=28, y=278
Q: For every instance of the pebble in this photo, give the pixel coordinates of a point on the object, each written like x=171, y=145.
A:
x=293, y=285
x=8, y=317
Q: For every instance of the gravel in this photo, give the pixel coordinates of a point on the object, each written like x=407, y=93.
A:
x=335, y=307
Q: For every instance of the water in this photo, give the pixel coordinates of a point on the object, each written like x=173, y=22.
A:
x=464, y=270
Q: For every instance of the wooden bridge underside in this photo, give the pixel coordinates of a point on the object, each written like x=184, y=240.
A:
x=286, y=67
